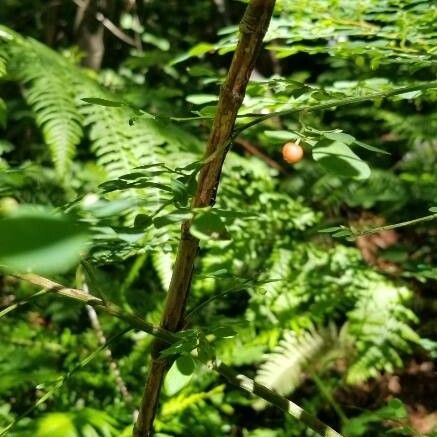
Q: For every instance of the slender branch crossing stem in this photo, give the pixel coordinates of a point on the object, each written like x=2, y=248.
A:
x=237, y=379
x=336, y=103
x=395, y=225
x=252, y=30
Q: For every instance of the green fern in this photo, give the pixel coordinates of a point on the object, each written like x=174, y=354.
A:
x=319, y=286
x=177, y=404
x=54, y=88
x=380, y=331
x=296, y=355
x=84, y=422
x=163, y=265
x=3, y=63
x=49, y=89
x=5, y=36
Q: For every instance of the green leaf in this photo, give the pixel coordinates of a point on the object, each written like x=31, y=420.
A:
x=2, y=114
x=161, y=43
x=56, y=425
x=433, y=209
x=371, y=148
x=103, y=102
x=208, y=225
x=185, y=365
x=331, y=229
x=142, y=221
x=358, y=426
x=408, y=96
x=208, y=111
x=175, y=379
x=200, y=99
x=38, y=240
x=339, y=136
x=5, y=146
x=282, y=135
x=342, y=233
x=224, y=332
x=169, y=219
x=200, y=49
x=338, y=158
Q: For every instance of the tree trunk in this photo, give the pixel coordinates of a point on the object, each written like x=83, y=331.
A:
x=90, y=32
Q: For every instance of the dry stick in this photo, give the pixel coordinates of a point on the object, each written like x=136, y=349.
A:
x=255, y=151
x=101, y=337
x=253, y=27
x=167, y=337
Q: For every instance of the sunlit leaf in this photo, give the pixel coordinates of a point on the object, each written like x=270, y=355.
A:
x=338, y=158
x=103, y=102
x=176, y=380
x=38, y=240
x=200, y=99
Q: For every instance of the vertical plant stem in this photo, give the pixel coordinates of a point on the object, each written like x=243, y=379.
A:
x=327, y=395
x=101, y=337
x=253, y=27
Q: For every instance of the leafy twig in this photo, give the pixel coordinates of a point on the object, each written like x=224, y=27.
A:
x=336, y=103
x=237, y=379
x=252, y=30
x=344, y=231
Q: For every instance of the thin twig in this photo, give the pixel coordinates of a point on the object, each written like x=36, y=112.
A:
x=255, y=151
x=335, y=104
x=394, y=226
x=106, y=22
x=101, y=337
x=116, y=31
x=237, y=379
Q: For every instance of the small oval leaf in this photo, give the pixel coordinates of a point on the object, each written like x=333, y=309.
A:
x=338, y=158
x=185, y=365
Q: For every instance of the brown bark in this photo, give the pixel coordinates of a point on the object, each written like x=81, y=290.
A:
x=90, y=32
x=252, y=30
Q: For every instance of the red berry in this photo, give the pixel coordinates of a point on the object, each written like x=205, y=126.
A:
x=292, y=152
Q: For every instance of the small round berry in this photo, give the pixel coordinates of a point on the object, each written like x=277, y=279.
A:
x=292, y=152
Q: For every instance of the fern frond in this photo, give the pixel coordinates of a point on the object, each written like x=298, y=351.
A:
x=3, y=63
x=163, y=265
x=280, y=270
x=310, y=351
x=49, y=90
x=54, y=89
x=379, y=327
x=6, y=36
x=177, y=404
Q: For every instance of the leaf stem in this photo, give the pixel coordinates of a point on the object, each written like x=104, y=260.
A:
x=337, y=103
x=395, y=225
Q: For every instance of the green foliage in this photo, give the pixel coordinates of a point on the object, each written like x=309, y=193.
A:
x=39, y=241
x=49, y=89
x=271, y=294
x=379, y=326
x=362, y=424
x=86, y=423
x=56, y=90
x=296, y=355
